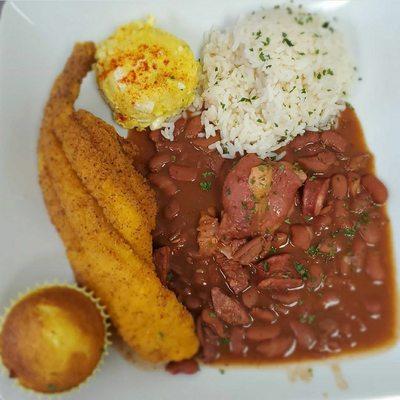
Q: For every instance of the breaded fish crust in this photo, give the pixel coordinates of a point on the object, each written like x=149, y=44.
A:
x=147, y=315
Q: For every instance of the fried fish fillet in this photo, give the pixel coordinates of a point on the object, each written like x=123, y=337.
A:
x=93, y=149
x=146, y=314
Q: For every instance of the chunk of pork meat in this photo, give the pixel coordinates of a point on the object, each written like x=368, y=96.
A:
x=257, y=197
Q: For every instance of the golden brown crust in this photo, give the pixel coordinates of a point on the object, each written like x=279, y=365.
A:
x=89, y=213
x=53, y=339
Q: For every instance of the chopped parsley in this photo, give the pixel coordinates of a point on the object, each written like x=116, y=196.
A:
x=265, y=266
x=222, y=105
x=308, y=218
x=267, y=41
x=206, y=186
x=245, y=99
x=273, y=250
x=224, y=341
x=307, y=318
x=262, y=57
x=348, y=105
x=313, y=251
x=212, y=314
x=228, y=191
x=258, y=34
x=173, y=158
x=170, y=276
x=350, y=232
x=207, y=173
x=364, y=218
x=301, y=270
x=286, y=40
x=287, y=221
x=259, y=120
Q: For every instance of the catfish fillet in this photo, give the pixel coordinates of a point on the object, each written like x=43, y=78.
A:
x=147, y=315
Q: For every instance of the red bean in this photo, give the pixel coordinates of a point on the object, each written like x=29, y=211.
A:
x=329, y=300
x=316, y=273
x=236, y=344
x=329, y=246
x=250, y=297
x=155, y=136
x=359, y=253
x=322, y=222
x=260, y=333
x=375, y=188
x=302, y=236
x=339, y=186
x=374, y=266
x=172, y=209
x=179, y=126
x=319, y=163
x=164, y=183
x=304, y=334
x=329, y=326
x=341, y=209
x=192, y=303
x=263, y=315
x=359, y=162
x=361, y=203
x=354, y=184
x=334, y=140
x=159, y=161
x=371, y=233
x=345, y=265
x=182, y=173
x=193, y=127
x=373, y=306
x=188, y=367
x=279, y=240
x=276, y=347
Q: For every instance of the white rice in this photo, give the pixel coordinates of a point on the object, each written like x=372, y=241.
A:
x=270, y=77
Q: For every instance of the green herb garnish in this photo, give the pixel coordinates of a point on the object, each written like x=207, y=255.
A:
x=301, y=270
x=206, y=186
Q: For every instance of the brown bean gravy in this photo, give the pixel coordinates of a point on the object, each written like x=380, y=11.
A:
x=276, y=260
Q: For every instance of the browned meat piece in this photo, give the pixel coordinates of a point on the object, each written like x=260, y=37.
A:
x=230, y=248
x=279, y=264
x=210, y=318
x=228, y=309
x=280, y=283
x=209, y=341
x=207, y=236
x=253, y=250
x=257, y=197
x=161, y=261
x=376, y=189
x=314, y=196
x=237, y=276
x=187, y=367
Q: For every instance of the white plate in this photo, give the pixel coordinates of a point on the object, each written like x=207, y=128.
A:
x=35, y=40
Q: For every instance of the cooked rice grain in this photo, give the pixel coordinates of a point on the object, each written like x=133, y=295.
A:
x=270, y=77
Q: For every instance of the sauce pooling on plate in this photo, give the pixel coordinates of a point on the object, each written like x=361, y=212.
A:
x=276, y=260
